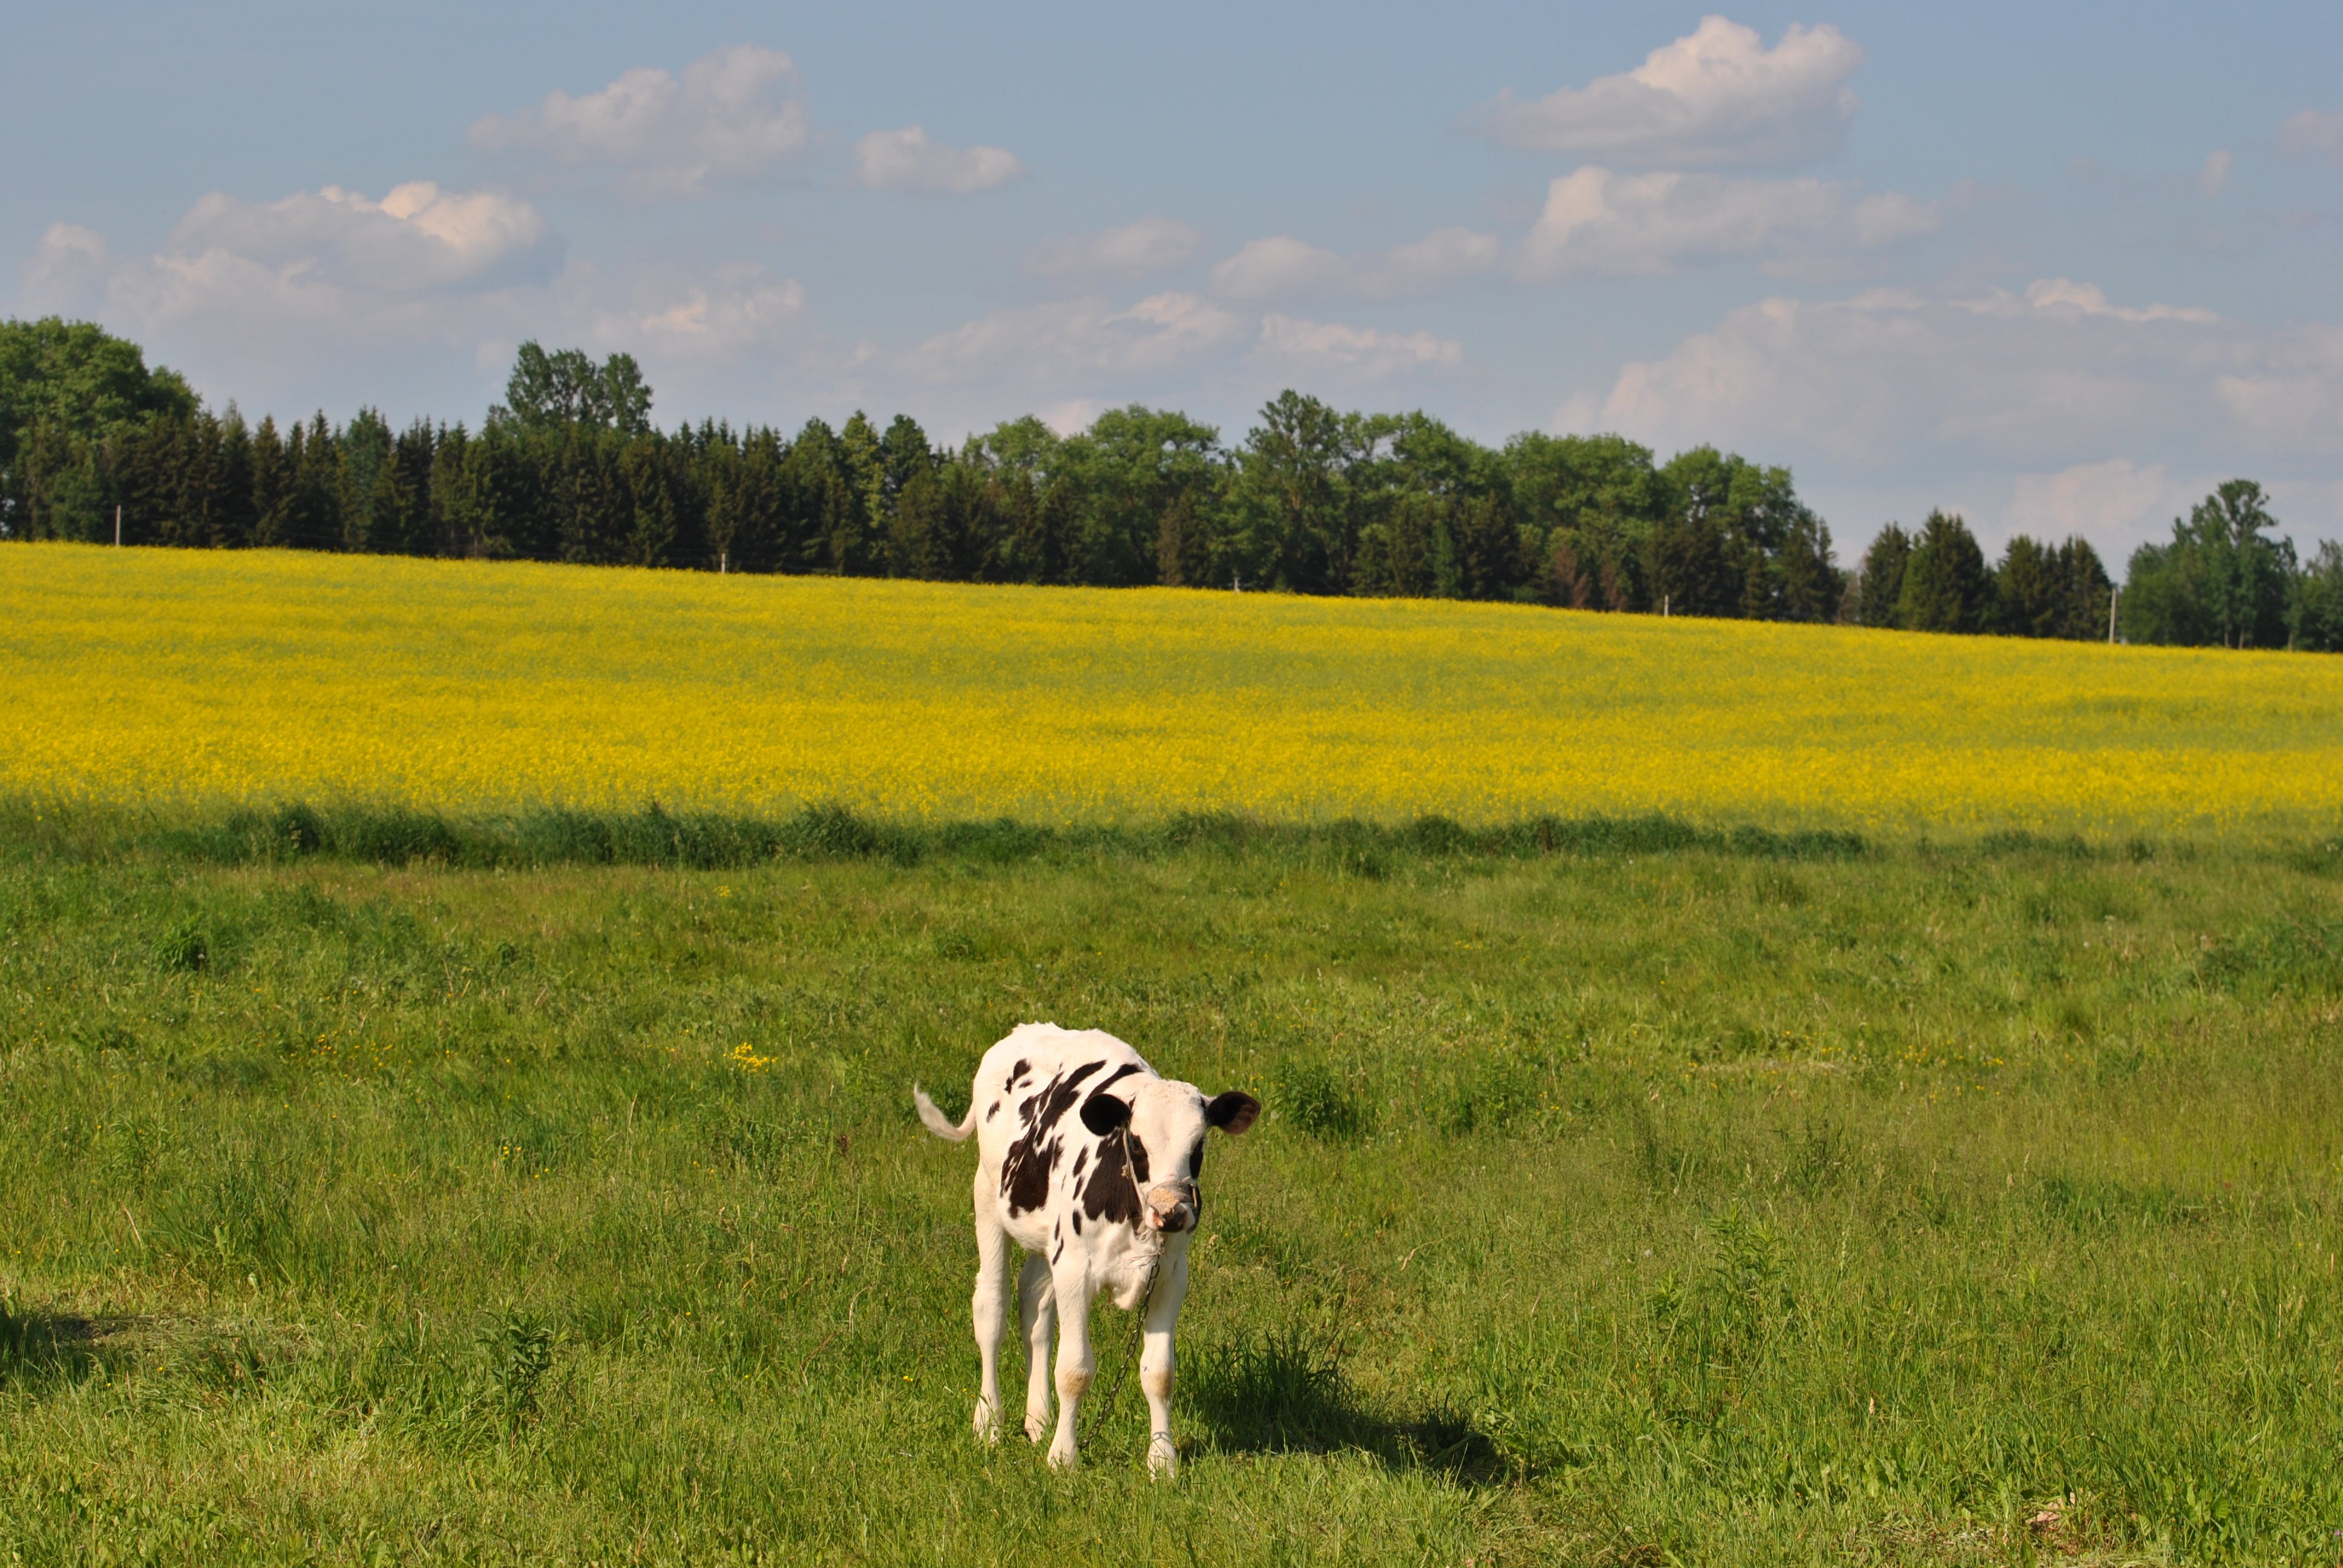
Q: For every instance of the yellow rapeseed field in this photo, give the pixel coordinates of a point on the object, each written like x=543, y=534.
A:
x=201, y=678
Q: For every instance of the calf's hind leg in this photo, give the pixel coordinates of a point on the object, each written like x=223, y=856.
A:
x=990, y=1310
x=1037, y=1313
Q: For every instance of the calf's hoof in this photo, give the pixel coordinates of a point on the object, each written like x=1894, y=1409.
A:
x=1037, y=1424
x=1061, y=1455
x=1163, y=1457
x=987, y=1422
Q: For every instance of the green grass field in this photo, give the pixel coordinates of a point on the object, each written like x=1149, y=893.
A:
x=1642, y=1202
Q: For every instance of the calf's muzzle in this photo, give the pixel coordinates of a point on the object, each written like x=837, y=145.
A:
x=1171, y=1206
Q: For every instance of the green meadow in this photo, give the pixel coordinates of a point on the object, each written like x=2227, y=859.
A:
x=395, y=1191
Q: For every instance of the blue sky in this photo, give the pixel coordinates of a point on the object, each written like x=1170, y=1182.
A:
x=2060, y=268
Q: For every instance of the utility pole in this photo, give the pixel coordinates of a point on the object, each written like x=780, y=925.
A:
x=1664, y=606
x=117, y=525
x=2113, y=594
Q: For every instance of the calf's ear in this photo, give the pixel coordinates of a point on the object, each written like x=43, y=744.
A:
x=1103, y=1114
x=1232, y=1111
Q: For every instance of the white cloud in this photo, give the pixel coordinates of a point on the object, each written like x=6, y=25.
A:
x=735, y=114
x=67, y=271
x=1438, y=258
x=1359, y=353
x=2291, y=399
x=1074, y=357
x=1279, y=265
x=907, y=160
x=258, y=297
x=720, y=313
x=2118, y=505
x=1595, y=221
x=1717, y=97
x=250, y=322
x=317, y=268
x=1074, y=416
x=2090, y=299
x=2314, y=133
x=1891, y=216
x=1601, y=223
x=2308, y=509
x=1282, y=267
x=1129, y=250
x=1081, y=341
x=418, y=237
x=2058, y=374
x=2215, y=175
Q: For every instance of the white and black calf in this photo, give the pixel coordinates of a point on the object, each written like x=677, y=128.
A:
x=1101, y=1200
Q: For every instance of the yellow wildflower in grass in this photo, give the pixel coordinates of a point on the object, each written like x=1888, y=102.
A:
x=201, y=678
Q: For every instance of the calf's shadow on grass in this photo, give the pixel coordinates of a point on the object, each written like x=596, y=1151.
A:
x=40, y=1349
x=1279, y=1392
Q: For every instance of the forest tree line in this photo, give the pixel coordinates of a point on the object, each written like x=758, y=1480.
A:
x=1316, y=501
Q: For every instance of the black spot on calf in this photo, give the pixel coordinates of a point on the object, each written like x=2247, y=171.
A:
x=1025, y=1169
x=1025, y=1173
x=1112, y=1194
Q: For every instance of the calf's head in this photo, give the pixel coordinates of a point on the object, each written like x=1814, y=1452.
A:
x=1162, y=1124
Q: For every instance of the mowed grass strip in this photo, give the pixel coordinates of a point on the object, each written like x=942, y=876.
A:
x=1919, y=1206
x=198, y=677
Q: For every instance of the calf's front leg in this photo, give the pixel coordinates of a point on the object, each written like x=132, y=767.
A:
x=1156, y=1364
x=1076, y=1366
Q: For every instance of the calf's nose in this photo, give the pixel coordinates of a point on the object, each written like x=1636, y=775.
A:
x=1172, y=1208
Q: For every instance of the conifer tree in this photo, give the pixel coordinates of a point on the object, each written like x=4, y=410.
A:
x=1809, y=585
x=2028, y=595
x=237, y=519
x=2315, y=614
x=269, y=484
x=646, y=476
x=862, y=466
x=1945, y=587
x=2084, y=589
x=1879, y=589
x=411, y=456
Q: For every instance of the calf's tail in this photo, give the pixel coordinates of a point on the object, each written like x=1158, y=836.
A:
x=936, y=1121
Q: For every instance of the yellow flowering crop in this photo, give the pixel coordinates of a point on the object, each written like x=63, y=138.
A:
x=203, y=678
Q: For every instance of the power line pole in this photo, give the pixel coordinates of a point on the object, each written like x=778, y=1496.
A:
x=117, y=525
x=2114, y=592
